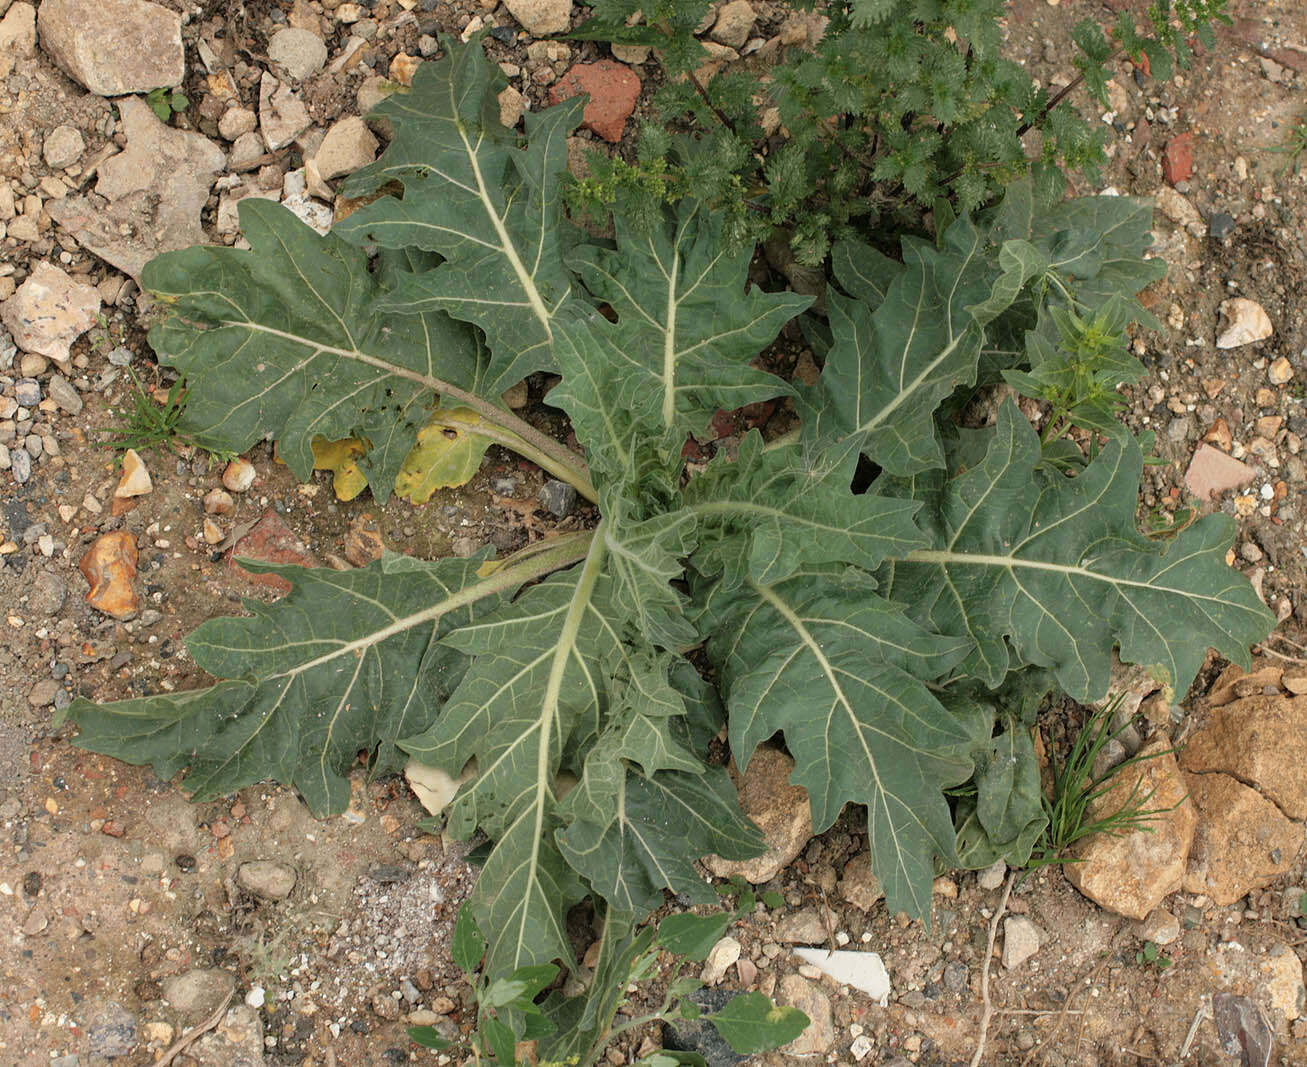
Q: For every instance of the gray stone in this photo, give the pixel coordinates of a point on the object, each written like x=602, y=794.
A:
x=43, y=693
x=63, y=394
x=1020, y=940
x=156, y=189
x=1243, y=1028
x=558, y=498
x=992, y=876
x=1220, y=225
x=282, y=114
x=236, y=121
x=197, y=993
x=300, y=53
x=699, y=1035
x=27, y=392
x=114, y=47
x=111, y=1031
x=267, y=879
x=20, y=463
x=63, y=147
x=957, y=978
x=541, y=17
x=47, y=594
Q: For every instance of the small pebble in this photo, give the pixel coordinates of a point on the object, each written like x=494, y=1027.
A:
x=558, y=498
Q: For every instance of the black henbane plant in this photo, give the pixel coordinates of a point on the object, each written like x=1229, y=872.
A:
x=886, y=636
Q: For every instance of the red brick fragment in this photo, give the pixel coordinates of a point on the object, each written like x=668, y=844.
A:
x=1178, y=158
x=270, y=540
x=613, y=88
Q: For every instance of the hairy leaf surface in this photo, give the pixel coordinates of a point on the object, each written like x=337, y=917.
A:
x=1055, y=566
x=822, y=658
x=287, y=339
x=769, y=512
x=687, y=327
x=889, y=368
x=490, y=209
x=348, y=660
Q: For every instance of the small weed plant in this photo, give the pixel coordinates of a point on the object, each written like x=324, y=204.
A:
x=1074, y=812
x=167, y=102
x=885, y=591
x=147, y=422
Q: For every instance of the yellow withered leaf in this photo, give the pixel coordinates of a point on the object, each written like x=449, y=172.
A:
x=341, y=458
x=446, y=454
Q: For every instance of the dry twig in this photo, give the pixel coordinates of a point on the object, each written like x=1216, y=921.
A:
x=184, y=1042
x=988, y=1011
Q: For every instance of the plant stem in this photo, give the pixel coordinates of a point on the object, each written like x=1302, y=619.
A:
x=566, y=460
x=573, y=473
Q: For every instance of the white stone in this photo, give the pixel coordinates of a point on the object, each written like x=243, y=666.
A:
x=156, y=189
x=114, y=47
x=282, y=114
x=236, y=121
x=1247, y=323
x=63, y=147
x=49, y=312
x=1176, y=208
x=541, y=17
x=1020, y=940
x=300, y=53
x=720, y=959
x=349, y=145
x=734, y=21
x=17, y=36
x=861, y=970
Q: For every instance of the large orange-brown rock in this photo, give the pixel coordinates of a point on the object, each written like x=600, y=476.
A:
x=1243, y=841
x=781, y=811
x=109, y=566
x=1260, y=740
x=1132, y=874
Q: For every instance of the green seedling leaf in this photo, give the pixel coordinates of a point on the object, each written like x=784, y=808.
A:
x=428, y=1037
x=691, y=936
x=773, y=900
x=751, y=1023
x=468, y=943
